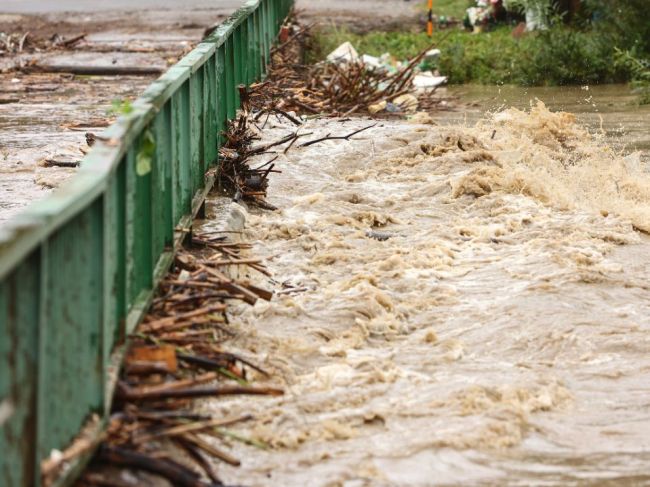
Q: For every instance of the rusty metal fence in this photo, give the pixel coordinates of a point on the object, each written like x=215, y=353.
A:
x=79, y=268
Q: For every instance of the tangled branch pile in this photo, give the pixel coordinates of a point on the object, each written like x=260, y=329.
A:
x=236, y=177
x=331, y=88
x=177, y=355
x=18, y=42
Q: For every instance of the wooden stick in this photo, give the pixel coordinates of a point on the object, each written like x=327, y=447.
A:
x=343, y=137
x=168, y=386
x=198, y=457
x=177, y=474
x=190, y=428
x=165, y=322
x=130, y=394
x=55, y=163
x=230, y=262
x=207, y=447
x=74, y=40
x=96, y=70
x=161, y=415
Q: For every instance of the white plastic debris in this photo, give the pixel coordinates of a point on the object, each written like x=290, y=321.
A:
x=372, y=61
x=428, y=80
x=345, y=53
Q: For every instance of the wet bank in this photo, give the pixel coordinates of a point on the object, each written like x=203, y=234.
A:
x=458, y=305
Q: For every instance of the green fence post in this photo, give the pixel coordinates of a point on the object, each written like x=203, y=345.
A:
x=197, y=168
x=19, y=320
x=210, y=109
x=183, y=155
x=222, y=92
x=70, y=372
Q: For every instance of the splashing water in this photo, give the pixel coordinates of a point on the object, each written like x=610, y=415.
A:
x=496, y=333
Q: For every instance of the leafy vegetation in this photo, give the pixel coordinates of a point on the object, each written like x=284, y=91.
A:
x=556, y=56
x=607, y=41
x=120, y=107
x=640, y=70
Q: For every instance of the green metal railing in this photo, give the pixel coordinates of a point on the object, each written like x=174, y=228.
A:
x=79, y=268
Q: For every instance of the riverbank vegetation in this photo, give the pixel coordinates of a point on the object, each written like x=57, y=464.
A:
x=607, y=42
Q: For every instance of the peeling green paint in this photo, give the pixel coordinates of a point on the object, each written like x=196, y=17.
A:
x=78, y=268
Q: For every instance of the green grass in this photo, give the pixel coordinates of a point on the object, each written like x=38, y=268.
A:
x=558, y=56
x=451, y=8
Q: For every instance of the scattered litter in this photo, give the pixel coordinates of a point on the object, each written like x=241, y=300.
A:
x=428, y=80
x=345, y=53
x=377, y=107
x=407, y=102
x=392, y=108
x=25, y=42
x=343, y=84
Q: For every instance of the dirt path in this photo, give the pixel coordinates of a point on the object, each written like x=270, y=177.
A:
x=470, y=307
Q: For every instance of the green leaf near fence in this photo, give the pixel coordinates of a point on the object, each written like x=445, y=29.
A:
x=144, y=159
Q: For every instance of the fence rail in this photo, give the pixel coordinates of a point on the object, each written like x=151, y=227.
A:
x=79, y=268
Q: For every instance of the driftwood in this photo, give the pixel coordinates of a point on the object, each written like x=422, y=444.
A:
x=191, y=428
x=177, y=474
x=127, y=393
x=329, y=88
x=165, y=323
x=197, y=455
x=153, y=400
x=96, y=70
x=342, y=137
x=57, y=163
x=215, y=452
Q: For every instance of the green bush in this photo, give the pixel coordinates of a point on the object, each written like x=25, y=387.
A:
x=624, y=23
x=640, y=73
x=562, y=55
x=558, y=56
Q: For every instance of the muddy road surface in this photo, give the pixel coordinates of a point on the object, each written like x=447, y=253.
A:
x=45, y=116
x=456, y=306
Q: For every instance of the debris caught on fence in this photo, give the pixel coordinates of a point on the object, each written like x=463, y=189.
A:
x=176, y=355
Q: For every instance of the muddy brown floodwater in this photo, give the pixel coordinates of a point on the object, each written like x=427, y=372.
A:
x=470, y=306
